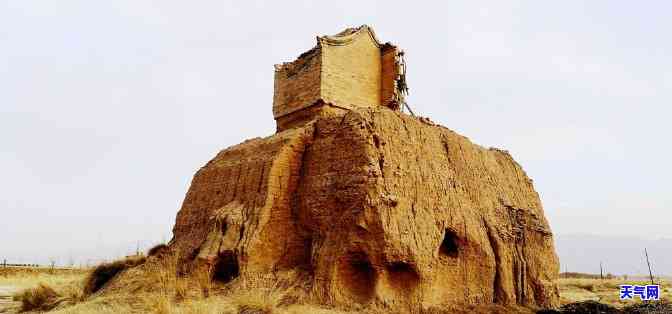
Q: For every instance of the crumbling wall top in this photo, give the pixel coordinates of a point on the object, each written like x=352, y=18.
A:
x=346, y=70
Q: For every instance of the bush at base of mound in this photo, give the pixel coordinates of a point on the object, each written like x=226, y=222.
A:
x=158, y=249
x=103, y=273
x=41, y=298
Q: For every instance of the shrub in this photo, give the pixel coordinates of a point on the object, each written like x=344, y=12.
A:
x=579, y=275
x=157, y=249
x=42, y=298
x=587, y=286
x=254, y=300
x=103, y=273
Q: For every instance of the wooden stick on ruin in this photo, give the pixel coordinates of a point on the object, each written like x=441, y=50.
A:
x=649, y=265
x=409, y=109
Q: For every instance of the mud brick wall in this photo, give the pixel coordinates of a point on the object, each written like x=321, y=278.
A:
x=344, y=71
x=351, y=74
x=389, y=74
x=297, y=84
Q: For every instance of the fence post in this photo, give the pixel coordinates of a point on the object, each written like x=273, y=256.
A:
x=648, y=264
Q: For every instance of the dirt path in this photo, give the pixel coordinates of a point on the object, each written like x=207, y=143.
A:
x=7, y=305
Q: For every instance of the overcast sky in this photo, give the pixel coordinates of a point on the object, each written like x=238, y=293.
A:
x=108, y=108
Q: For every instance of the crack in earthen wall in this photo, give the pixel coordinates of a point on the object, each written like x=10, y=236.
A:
x=499, y=295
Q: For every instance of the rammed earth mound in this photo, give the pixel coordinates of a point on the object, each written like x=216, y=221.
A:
x=367, y=205
x=376, y=206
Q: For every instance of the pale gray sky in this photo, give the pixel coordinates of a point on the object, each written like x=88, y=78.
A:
x=107, y=108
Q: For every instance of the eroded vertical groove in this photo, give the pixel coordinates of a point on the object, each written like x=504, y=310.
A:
x=497, y=286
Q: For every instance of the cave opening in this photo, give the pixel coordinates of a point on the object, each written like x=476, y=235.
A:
x=403, y=276
x=450, y=244
x=358, y=276
x=226, y=268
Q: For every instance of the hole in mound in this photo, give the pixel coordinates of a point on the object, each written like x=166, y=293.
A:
x=224, y=227
x=381, y=164
x=449, y=246
x=194, y=253
x=358, y=276
x=376, y=140
x=307, y=252
x=226, y=268
x=403, y=276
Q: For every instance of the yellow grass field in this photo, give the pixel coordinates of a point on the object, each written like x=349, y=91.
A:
x=171, y=295
x=605, y=291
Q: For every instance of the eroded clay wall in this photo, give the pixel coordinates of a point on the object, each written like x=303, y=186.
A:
x=409, y=213
x=238, y=206
x=389, y=74
x=351, y=73
x=375, y=207
x=306, y=115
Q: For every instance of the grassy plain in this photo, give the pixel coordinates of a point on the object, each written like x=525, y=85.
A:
x=606, y=290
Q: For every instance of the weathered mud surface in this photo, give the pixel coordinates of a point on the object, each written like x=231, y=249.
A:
x=376, y=206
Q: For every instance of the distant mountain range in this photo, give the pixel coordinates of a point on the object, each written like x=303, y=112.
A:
x=619, y=254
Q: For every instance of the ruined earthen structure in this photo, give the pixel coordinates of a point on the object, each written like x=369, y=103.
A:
x=376, y=206
x=346, y=71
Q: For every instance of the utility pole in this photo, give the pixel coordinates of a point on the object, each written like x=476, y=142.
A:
x=601, y=275
x=649, y=265
x=566, y=275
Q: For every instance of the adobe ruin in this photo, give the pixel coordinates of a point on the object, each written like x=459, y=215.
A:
x=351, y=69
x=374, y=206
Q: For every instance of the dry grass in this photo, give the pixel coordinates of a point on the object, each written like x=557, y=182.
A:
x=604, y=291
x=40, y=298
x=99, y=305
x=44, y=289
x=155, y=287
x=103, y=273
x=247, y=297
x=24, y=278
